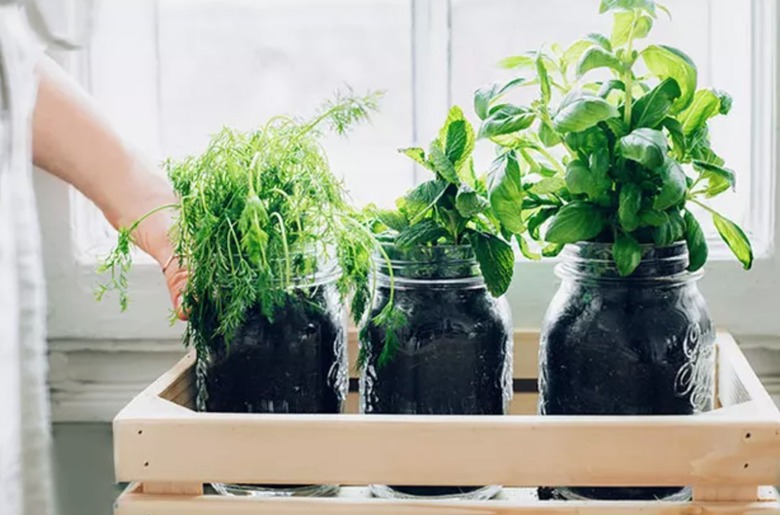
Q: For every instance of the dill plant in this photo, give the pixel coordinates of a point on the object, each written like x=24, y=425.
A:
x=258, y=211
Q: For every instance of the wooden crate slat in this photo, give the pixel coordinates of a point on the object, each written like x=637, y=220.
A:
x=356, y=502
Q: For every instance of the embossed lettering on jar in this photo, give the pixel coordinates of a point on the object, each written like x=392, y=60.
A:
x=454, y=354
x=637, y=345
x=293, y=363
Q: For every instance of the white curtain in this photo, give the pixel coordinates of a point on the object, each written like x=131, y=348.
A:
x=25, y=480
x=25, y=485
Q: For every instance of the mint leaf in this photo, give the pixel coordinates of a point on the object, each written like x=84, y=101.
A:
x=424, y=232
x=418, y=201
x=496, y=261
x=505, y=192
x=577, y=221
x=469, y=203
x=441, y=164
x=393, y=219
x=418, y=155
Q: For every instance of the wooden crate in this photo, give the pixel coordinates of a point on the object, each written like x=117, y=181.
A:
x=168, y=451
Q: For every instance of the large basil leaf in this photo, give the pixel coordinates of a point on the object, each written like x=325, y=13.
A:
x=697, y=243
x=735, y=238
x=705, y=105
x=647, y=147
x=538, y=219
x=496, y=261
x=666, y=62
x=597, y=57
x=670, y=231
x=506, y=119
x=627, y=24
x=627, y=253
x=651, y=110
x=630, y=202
x=579, y=112
x=577, y=221
x=719, y=179
x=673, y=186
x=505, y=192
x=582, y=180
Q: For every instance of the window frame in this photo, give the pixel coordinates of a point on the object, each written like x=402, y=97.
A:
x=743, y=302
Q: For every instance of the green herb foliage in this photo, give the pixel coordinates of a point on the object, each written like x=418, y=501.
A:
x=454, y=206
x=618, y=160
x=257, y=212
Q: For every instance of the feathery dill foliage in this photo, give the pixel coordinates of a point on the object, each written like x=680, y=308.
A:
x=257, y=211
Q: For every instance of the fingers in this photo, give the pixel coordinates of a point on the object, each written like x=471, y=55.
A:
x=176, y=279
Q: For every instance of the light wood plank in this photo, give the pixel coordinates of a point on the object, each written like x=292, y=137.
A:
x=172, y=488
x=522, y=404
x=515, y=503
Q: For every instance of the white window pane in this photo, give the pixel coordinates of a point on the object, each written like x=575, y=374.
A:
x=715, y=33
x=238, y=63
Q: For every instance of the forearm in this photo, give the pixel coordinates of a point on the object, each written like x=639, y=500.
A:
x=72, y=141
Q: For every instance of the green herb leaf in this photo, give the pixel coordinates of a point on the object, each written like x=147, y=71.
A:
x=647, y=147
x=548, y=136
x=629, y=206
x=441, y=164
x=424, y=232
x=506, y=119
x=496, y=261
x=393, y=219
x=525, y=249
x=673, y=186
x=518, y=61
x=726, y=102
x=506, y=193
x=628, y=24
x=548, y=185
x=735, y=238
x=538, y=219
x=705, y=105
x=418, y=155
x=457, y=136
x=651, y=110
x=627, y=253
x=579, y=112
x=552, y=250
x=418, y=201
x=719, y=178
x=697, y=243
x=670, y=231
x=652, y=218
x=597, y=57
x=576, y=221
x=613, y=5
x=469, y=203
x=544, y=79
x=666, y=62
x=677, y=134
x=582, y=180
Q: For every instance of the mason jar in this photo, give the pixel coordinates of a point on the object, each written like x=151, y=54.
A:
x=636, y=345
x=295, y=362
x=454, y=353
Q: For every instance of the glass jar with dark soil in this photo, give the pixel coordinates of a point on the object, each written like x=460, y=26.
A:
x=636, y=345
x=295, y=362
x=454, y=355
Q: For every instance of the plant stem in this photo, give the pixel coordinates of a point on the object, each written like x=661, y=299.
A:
x=628, y=75
x=154, y=211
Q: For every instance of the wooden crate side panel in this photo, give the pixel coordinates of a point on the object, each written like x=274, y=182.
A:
x=135, y=504
x=516, y=451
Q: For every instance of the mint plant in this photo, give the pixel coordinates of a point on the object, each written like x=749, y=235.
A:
x=620, y=160
x=452, y=208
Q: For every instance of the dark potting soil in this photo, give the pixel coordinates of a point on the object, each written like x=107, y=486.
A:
x=295, y=363
x=627, y=351
x=454, y=358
